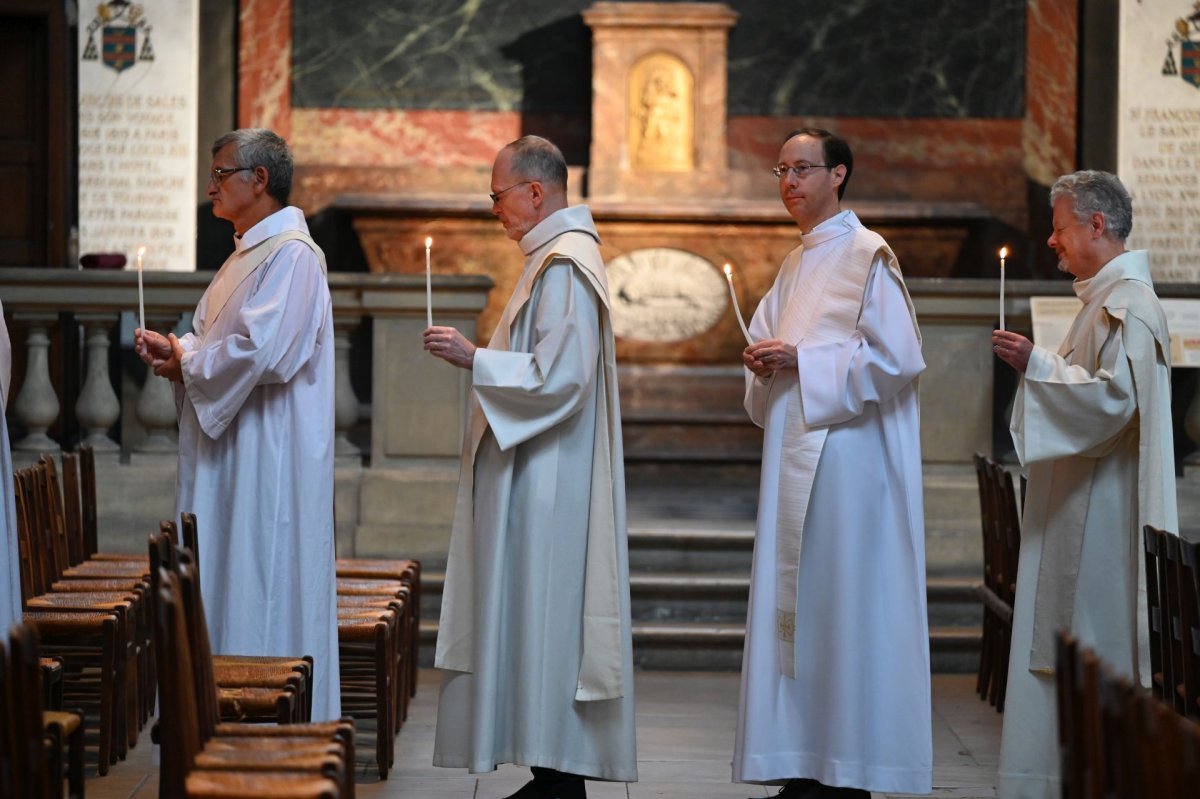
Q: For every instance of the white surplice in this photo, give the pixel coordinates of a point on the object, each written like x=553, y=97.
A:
x=10, y=574
x=522, y=682
x=857, y=713
x=256, y=432
x=1080, y=420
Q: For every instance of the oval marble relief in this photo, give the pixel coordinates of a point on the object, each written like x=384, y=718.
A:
x=661, y=294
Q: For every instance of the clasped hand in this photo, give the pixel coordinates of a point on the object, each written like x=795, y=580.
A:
x=765, y=358
x=449, y=345
x=163, y=354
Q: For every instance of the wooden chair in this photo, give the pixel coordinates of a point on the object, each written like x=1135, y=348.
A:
x=38, y=736
x=1156, y=620
x=1189, y=583
x=1001, y=539
x=182, y=741
x=254, y=688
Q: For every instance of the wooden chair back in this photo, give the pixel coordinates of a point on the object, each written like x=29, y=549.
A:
x=1070, y=735
x=1156, y=614
x=31, y=777
x=179, y=733
x=1189, y=585
x=72, y=513
x=87, y=506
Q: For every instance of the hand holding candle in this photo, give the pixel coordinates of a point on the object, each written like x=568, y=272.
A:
x=428, y=284
x=736, y=307
x=141, y=293
x=1003, y=255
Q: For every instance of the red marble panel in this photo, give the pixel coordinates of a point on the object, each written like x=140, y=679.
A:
x=265, y=65
x=1051, y=55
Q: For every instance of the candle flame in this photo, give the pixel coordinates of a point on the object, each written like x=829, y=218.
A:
x=428, y=242
x=1003, y=252
x=728, y=270
x=141, y=251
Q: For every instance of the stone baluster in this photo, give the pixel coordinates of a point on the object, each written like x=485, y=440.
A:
x=345, y=403
x=36, y=406
x=98, y=407
x=155, y=407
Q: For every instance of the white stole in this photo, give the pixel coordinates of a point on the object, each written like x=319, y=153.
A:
x=600, y=670
x=242, y=265
x=825, y=309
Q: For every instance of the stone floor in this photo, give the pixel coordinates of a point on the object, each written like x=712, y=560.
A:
x=685, y=728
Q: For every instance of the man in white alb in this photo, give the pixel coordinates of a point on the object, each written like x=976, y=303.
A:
x=835, y=698
x=254, y=385
x=1092, y=424
x=535, y=638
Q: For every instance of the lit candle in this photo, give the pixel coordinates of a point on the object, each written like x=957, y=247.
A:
x=1003, y=255
x=141, y=294
x=428, y=284
x=736, y=307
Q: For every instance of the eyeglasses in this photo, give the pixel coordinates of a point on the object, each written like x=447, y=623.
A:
x=219, y=173
x=799, y=170
x=496, y=197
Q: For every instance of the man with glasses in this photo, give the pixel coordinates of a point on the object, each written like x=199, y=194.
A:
x=254, y=388
x=835, y=698
x=535, y=639
x=1092, y=424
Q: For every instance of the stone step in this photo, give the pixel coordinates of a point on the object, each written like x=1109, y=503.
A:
x=717, y=646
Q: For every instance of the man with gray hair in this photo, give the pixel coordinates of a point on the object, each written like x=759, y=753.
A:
x=535, y=639
x=1092, y=424
x=254, y=389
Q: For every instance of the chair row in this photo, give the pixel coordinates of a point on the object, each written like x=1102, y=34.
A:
x=1173, y=605
x=205, y=757
x=1115, y=740
x=91, y=610
x=32, y=738
x=1001, y=528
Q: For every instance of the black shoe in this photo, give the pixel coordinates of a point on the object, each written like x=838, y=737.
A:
x=833, y=792
x=797, y=789
x=550, y=784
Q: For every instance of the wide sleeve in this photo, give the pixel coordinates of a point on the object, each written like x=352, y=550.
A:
x=1065, y=409
x=524, y=393
x=275, y=332
x=758, y=389
x=879, y=359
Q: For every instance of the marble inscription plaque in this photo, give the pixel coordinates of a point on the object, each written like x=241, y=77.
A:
x=662, y=294
x=137, y=131
x=1159, y=132
x=953, y=58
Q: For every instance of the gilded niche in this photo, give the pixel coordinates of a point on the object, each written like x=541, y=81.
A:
x=661, y=114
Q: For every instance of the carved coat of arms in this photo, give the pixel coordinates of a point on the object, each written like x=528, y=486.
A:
x=121, y=24
x=1187, y=36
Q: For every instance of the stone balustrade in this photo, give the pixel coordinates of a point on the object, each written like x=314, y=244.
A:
x=417, y=405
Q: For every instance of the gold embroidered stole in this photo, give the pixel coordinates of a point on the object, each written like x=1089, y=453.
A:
x=824, y=310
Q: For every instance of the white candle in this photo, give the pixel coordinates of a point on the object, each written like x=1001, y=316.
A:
x=736, y=307
x=141, y=294
x=1003, y=255
x=428, y=285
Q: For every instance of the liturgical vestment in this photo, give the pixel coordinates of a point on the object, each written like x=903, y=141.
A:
x=10, y=575
x=535, y=635
x=256, y=431
x=835, y=672
x=1092, y=424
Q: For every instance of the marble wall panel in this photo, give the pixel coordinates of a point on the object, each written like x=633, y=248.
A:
x=955, y=58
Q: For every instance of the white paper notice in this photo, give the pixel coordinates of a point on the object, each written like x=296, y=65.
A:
x=137, y=130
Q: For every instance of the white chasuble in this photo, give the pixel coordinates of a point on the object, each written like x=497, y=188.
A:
x=10, y=568
x=535, y=639
x=256, y=434
x=1092, y=424
x=857, y=712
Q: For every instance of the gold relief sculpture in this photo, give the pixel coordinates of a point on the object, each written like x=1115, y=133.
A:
x=661, y=114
